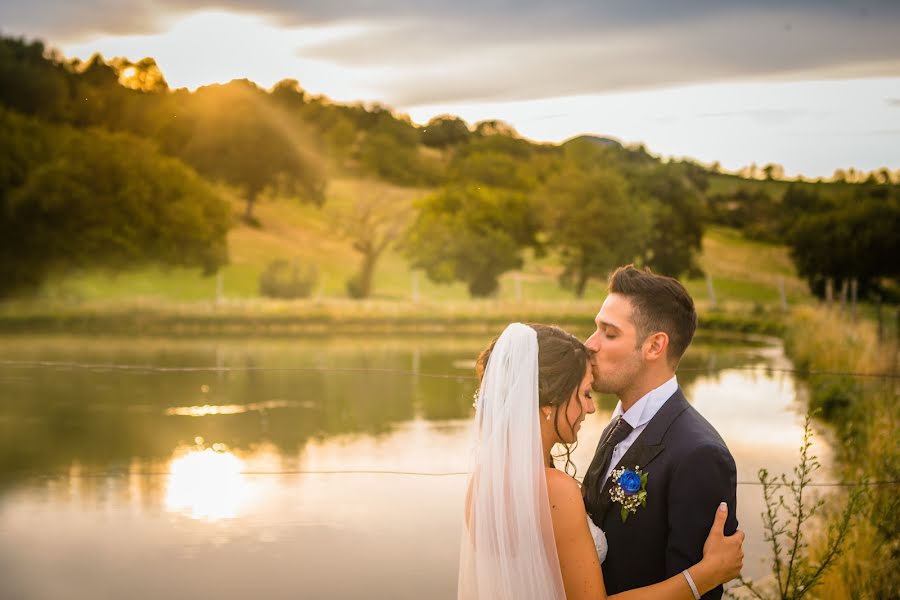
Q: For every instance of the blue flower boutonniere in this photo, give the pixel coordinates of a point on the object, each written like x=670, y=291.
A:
x=629, y=490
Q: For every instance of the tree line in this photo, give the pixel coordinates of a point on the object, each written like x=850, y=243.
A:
x=103, y=165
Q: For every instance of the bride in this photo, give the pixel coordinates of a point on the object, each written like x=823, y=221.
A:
x=526, y=533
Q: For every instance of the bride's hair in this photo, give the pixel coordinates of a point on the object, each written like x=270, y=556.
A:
x=562, y=363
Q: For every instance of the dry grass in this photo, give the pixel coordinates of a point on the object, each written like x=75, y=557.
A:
x=866, y=414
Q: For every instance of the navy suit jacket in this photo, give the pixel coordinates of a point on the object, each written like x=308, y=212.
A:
x=689, y=472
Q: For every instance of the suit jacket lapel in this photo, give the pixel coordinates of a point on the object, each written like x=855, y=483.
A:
x=647, y=446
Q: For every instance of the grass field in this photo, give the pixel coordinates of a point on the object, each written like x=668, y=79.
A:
x=745, y=275
x=743, y=272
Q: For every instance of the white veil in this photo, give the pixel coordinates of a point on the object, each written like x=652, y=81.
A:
x=508, y=550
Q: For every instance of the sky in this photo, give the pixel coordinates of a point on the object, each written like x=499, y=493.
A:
x=813, y=85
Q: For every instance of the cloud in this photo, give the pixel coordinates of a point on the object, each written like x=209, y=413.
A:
x=424, y=51
x=894, y=102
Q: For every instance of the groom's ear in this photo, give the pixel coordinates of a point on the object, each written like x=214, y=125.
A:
x=656, y=346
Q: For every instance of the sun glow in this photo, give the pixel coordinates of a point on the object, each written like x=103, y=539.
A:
x=216, y=46
x=207, y=484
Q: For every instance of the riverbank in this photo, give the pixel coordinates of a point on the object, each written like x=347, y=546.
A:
x=845, y=362
x=332, y=317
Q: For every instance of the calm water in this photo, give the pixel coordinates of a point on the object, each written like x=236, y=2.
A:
x=159, y=483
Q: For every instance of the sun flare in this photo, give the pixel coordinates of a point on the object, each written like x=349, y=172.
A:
x=207, y=484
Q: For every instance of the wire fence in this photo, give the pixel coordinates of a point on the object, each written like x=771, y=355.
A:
x=65, y=365
x=114, y=474
x=68, y=365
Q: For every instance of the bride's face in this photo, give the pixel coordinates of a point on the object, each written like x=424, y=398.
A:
x=577, y=408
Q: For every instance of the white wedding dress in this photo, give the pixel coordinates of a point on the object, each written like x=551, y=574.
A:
x=599, y=540
x=507, y=549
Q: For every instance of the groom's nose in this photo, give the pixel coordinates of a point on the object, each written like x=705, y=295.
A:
x=593, y=343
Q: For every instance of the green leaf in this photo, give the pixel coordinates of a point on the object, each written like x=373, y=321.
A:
x=624, y=514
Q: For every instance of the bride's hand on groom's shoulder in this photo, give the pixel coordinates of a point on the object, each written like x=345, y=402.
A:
x=724, y=554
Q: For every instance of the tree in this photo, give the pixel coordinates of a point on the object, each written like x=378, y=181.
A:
x=471, y=234
x=90, y=200
x=374, y=219
x=773, y=171
x=288, y=94
x=494, y=169
x=393, y=159
x=678, y=214
x=31, y=82
x=593, y=222
x=143, y=75
x=445, y=130
x=857, y=239
x=234, y=134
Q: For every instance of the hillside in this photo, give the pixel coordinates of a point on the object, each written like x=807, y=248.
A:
x=743, y=271
x=302, y=177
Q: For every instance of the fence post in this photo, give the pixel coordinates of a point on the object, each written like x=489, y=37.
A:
x=829, y=291
x=854, y=285
x=711, y=290
x=220, y=287
x=844, y=286
x=879, y=318
x=415, y=286
x=782, y=294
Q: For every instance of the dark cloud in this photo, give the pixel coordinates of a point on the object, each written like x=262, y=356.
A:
x=517, y=49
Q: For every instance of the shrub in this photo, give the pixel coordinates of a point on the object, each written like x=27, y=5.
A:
x=282, y=279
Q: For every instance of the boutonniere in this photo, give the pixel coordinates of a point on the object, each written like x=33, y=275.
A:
x=629, y=490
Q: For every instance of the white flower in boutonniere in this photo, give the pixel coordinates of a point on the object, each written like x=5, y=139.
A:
x=629, y=490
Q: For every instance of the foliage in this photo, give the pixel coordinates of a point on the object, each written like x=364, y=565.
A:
x=72, y=200
x=679, y=213
x=31, y=82
x=825, y=341
x=855, y=239
x=283, y=279
x=374, y=219
x=235, y=135
x=445, y=130
x=491, y=168
x=471, y=234
x=796, y=573
x=392, y=159
x=593, y=224
x=752, y=210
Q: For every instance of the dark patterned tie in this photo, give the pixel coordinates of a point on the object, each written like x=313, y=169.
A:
x=594, y=480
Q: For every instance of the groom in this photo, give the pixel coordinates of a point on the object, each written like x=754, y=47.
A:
x=643, y=328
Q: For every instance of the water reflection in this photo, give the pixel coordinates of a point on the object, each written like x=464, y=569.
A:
x=206, y=483
x=178, y=463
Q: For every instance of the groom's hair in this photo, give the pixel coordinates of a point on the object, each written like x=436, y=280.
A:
x=658, y=303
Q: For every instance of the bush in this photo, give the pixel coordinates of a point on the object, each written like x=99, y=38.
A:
x=282, y=279
x=355, y=287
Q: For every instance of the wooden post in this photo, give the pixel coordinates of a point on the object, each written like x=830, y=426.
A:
x=829, y=291
x=711, y=290
x=854, y=285
x=879, y=318
x=844, y=286
x=220, y=287
x=782, y=294
x=415, y=286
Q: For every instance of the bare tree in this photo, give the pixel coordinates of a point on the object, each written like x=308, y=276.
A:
x=372, y=220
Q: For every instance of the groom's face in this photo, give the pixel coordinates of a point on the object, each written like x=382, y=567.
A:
x=617, y=358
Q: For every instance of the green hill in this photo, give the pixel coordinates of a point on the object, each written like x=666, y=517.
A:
x=744, y=272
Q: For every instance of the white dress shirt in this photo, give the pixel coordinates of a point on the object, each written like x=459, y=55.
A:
x=638, y=416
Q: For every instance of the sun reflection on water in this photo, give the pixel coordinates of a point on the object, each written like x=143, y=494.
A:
x=206, y=483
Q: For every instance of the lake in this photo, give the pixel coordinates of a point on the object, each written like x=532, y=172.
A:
x=310, y=467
